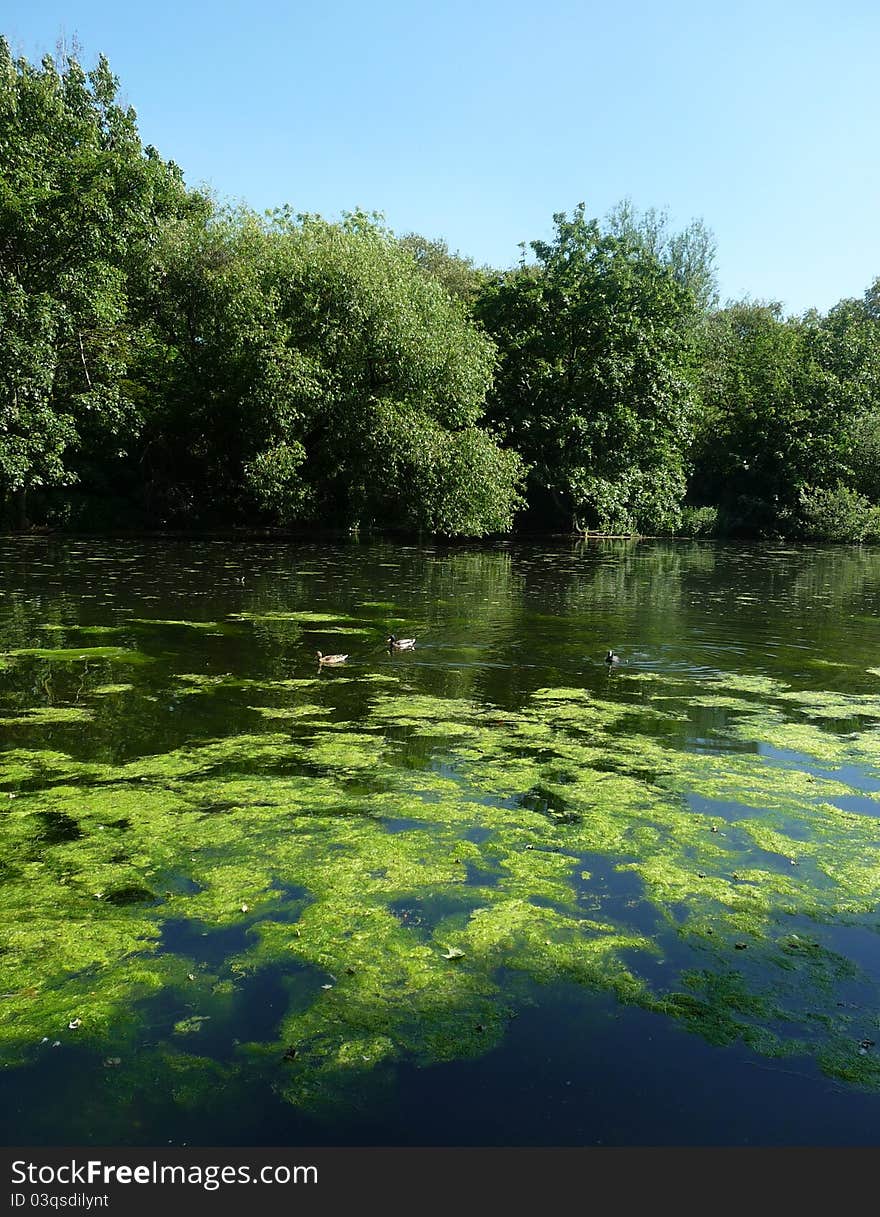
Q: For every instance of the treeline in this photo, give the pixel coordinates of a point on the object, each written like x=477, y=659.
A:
x=166, y=361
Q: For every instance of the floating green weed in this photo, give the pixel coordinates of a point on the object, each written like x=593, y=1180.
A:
x=72, y=628
x=70, y=654
x=47, y=714
x=818, y=704
x=393, y=871
x=304, y=618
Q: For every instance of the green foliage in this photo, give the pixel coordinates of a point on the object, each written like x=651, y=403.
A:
x=457, y=275
x=80, y=201
x=769, y=424
x=839, y=514
x=788, y=409
x=35, y=432
x=212, y=371
x=592, y=388
x=698, y=522
x=313, y=369
x=274, y=477
x=863, y=454
x=846, y=344
x=447, y=482
x=689, y=254
x=165, y=360
x=850, y=349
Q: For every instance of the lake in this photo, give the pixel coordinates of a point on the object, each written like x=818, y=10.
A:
x=490, y=891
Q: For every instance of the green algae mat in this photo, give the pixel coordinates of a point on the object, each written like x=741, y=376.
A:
x=234, y=882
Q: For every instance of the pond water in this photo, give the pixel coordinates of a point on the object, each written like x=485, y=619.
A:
x=485, y=892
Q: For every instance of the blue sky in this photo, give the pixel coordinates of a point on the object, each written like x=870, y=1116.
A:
x=476, y=120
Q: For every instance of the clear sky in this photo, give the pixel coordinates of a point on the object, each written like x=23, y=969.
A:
x=476, y=120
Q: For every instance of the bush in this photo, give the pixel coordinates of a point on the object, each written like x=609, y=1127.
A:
x=635, y=502
x=838, y=515
x=274, y=479
x=698, y=522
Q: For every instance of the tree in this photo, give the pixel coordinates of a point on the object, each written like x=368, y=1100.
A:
x=689, y=254
x=391, y=429
x=212, y=368
x=772, y=416
x=846, y=342
x=311, y=368
x=459, y=276
x=593, y=385
x=80, y=202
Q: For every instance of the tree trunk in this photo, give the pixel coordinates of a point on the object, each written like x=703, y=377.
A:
x=21, y=500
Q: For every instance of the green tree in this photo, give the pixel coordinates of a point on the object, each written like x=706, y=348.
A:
x=689, y=254
x=773, y=416
x=593, y=386
x=80, y=202
x=458, y=275
x=399, y=375
x=312, y=369
x=212, y=368
x=846, y=343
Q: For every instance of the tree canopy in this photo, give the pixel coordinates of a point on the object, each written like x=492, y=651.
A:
x=81, y=202
x=788, y=406
x=167, y=360
x=594, y=387
x=310, y=369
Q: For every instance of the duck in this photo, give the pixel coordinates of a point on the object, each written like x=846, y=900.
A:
x=330, y=658
x=611, y=658
x=400, y=644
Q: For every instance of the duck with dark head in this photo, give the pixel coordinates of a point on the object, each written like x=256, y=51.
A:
x=400, y=644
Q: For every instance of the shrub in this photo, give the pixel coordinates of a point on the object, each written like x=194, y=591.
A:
x=840, y=514
x=698, y=522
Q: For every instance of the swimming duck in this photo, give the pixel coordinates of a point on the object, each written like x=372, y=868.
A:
x=611, y=658
x=330, y=658
x=400, y=644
